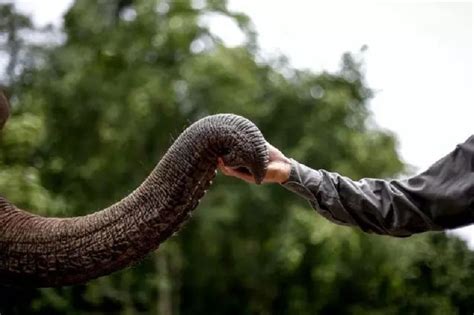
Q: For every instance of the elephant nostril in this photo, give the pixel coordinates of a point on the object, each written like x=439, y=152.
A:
x=224, y=151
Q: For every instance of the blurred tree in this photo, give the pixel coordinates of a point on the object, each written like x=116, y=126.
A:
x=94, y=116
x=11, y=24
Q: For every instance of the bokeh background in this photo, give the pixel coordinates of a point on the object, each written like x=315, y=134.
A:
x=99, y=97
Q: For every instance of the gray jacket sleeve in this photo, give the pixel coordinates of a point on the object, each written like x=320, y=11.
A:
x=440, y=198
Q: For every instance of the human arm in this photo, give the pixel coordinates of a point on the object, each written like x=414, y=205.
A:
x=440, y=198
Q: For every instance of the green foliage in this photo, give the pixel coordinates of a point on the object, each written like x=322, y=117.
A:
x=94, y=114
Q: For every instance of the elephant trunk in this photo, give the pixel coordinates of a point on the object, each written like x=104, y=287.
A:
x=39, y=251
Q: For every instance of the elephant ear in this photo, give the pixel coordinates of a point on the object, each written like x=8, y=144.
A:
x=4, y=109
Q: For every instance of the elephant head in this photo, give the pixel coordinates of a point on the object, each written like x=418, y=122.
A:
x=40, y=251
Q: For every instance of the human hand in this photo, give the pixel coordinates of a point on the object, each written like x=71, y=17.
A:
x=278, y=170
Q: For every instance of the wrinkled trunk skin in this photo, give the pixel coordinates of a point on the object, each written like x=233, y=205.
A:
x=43, y=252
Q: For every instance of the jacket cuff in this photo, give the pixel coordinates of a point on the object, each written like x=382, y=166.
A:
x=303, y=180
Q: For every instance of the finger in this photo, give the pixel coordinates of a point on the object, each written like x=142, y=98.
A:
x=275, y=154
x=221, y=166
x=229, y=171
x=225, y=170
x=233, y=172
x=220, y=163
